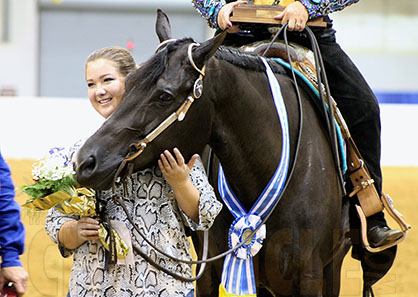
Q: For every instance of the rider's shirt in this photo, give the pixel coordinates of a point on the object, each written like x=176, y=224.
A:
x=209, y=9
x=153, y=208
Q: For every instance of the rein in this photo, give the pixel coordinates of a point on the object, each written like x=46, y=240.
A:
x=324, y=91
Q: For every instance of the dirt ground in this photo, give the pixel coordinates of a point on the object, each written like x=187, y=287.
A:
x=49, y=272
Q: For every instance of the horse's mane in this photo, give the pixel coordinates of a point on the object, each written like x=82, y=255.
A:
x=246, y=60
x=150, y=70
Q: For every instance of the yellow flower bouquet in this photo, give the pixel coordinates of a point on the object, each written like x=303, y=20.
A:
x=55, y=186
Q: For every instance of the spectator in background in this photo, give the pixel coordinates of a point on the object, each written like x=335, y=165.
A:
x=12, y=234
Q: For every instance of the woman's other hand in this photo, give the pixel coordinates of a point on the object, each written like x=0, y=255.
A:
x=88, y=228
x=176, y=172
x=74, y=233
x=296, y=15
x=224, y=23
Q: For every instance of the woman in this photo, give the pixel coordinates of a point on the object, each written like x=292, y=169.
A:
x=162, y=200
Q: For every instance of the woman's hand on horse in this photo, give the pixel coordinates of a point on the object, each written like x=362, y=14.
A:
x=174, y=169
x=225, y=12
x=176, y=172
x=88, y=228
x=296, y=15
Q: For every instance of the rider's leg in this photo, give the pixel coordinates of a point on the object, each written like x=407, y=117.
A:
x=360, y=109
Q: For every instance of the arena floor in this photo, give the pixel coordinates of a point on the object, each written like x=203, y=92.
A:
x=49, y=272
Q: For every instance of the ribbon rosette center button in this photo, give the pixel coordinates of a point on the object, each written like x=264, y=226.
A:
x=246, y=236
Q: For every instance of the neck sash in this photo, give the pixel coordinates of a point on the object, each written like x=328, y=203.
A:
x=238, y=273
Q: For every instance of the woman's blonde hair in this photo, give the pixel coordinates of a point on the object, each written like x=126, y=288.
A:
x=120, y=56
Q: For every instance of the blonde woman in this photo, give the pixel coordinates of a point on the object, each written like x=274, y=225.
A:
x=163, y=201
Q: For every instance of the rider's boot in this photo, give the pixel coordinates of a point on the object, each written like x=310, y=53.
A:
x=378, y=232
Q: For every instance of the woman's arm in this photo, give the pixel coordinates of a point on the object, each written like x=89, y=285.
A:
x=209, y=10
x=192, y=190
x=318, y=8
x=74, y=233
x=67, y=230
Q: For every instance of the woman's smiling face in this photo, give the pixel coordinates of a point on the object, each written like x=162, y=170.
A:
x=106, y=86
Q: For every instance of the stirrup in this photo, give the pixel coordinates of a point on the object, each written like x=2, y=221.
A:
x=396, y=215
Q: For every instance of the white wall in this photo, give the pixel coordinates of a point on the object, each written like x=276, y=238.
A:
x=29, y=127
x=399, y=139
x=380, y=36
x=18, y=56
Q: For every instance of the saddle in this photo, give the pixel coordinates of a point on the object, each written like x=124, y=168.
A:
x=302, y=59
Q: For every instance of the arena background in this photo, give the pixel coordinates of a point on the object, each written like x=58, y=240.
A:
x=43, y=46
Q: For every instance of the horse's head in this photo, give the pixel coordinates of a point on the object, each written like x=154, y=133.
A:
x=153, y=92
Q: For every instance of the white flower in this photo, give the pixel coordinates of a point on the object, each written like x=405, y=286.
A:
x=54, y=167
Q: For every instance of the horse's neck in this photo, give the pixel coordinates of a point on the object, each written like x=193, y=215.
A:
x=245, y=129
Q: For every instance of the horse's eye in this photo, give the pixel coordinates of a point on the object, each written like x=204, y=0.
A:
x=165, y=97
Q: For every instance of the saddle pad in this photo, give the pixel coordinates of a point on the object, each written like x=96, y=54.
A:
x=307, y=81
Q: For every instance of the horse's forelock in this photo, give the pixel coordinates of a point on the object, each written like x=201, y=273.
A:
x=152, y=69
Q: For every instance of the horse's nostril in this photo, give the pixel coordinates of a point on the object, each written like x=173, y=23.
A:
x=90, y=165
x=86, y=168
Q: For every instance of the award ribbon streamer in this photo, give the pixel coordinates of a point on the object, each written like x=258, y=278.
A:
x=238, y=273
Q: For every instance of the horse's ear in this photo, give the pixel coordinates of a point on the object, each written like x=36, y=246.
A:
x=162, y=26
x=203, y=52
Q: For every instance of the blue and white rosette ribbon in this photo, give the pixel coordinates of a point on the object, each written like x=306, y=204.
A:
x=239, y=231
x=238, y=273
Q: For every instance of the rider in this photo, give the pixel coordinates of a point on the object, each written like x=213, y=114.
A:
x=354, y=97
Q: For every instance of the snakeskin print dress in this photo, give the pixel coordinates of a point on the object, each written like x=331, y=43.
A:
x=152, y=206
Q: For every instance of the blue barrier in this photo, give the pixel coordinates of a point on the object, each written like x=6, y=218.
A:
x=397, y=97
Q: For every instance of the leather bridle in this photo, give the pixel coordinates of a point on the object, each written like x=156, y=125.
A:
x=138, y=148
x=178, y=115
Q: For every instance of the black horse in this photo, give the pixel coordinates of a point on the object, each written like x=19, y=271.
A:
x=305, y=242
